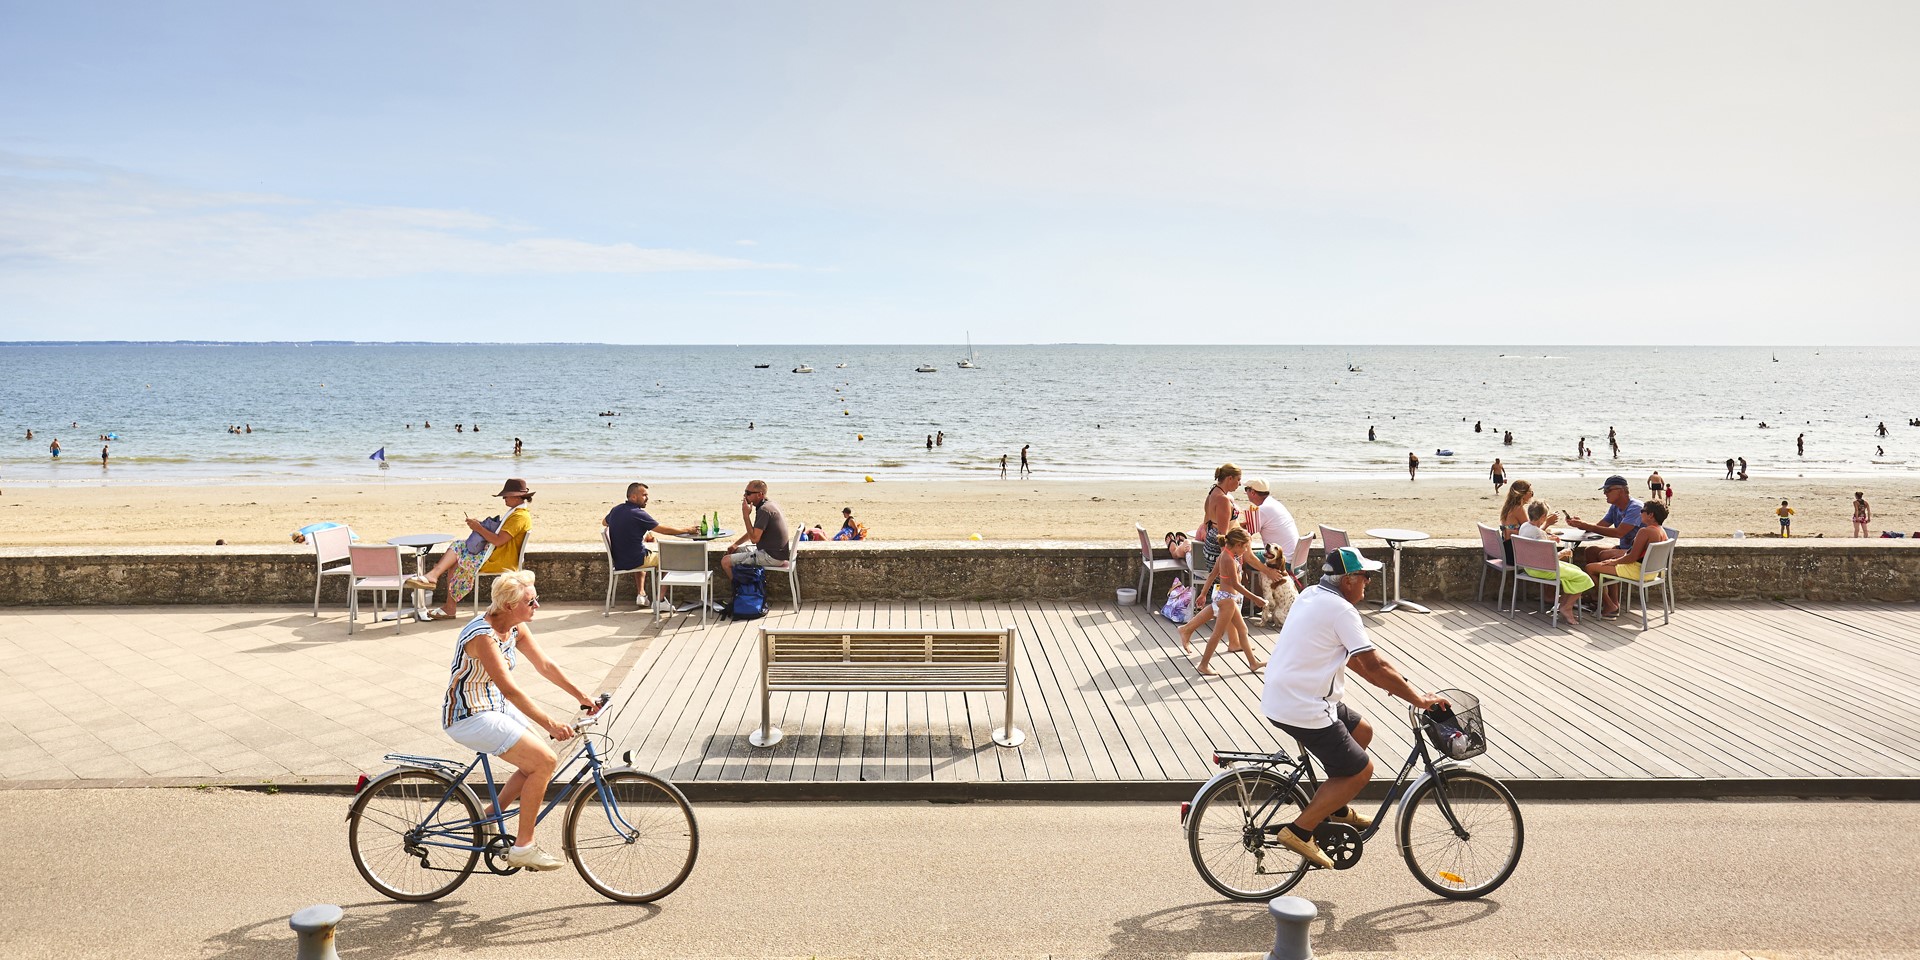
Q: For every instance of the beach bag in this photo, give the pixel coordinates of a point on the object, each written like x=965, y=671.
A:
x=1179, y=605
x=749, y=593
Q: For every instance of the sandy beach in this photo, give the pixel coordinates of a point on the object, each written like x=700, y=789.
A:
x=996, y=510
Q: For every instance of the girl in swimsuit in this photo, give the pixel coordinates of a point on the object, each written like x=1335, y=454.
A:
x=1227, y=592
x=1862, y=514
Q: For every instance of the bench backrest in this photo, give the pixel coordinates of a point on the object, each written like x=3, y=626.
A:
x=887, y=646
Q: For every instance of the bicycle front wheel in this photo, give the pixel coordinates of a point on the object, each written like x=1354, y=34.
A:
x=1230, y=834
x=635, y=844
x=406, y=842
x=1474, y=860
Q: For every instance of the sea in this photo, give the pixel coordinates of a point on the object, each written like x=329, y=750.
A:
x=437, y=412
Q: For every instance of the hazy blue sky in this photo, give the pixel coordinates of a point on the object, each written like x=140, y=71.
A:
x=1460, y=172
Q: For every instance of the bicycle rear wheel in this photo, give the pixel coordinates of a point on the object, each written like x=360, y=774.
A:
x=398, y=851
x=1453, y=865
x=638, y=844
x=1232, y=841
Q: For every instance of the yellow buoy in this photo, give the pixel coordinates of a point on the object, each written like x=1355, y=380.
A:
x=974, y=537
x=869, y=478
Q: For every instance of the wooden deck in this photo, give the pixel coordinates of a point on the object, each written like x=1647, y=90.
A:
x=1758, y=690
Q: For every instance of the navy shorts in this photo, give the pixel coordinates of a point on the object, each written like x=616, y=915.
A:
x=1333, y=745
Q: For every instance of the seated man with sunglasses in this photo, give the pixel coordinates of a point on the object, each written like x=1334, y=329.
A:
x=485, y=711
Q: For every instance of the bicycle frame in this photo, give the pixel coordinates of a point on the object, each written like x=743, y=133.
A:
x=448, y=833
x=1237, y=763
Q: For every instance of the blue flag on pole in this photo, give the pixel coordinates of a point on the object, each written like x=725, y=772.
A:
x=380, y=455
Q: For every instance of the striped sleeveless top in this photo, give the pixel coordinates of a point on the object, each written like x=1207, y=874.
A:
x=469, y=689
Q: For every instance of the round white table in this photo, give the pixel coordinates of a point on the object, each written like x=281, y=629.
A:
x=1394, y=538
x=420, y=544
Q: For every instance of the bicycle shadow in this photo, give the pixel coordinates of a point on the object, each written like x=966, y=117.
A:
x=383, y=929
x=1226, y=927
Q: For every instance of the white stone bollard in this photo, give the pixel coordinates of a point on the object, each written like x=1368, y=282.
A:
x=315, y=926
x=1292, y=921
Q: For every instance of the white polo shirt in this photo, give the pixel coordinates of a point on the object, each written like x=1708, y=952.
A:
x=1307, y=671
x=1275, y=526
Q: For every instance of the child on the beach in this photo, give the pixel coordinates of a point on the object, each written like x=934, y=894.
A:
x=1785, y=513
x=1862, y=514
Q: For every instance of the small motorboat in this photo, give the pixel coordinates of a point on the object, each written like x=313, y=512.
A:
x=925, y=368
x=842, y=365
x=762, y=366
x=803, y=368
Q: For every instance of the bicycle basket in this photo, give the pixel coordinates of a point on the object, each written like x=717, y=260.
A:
x=1458, y=732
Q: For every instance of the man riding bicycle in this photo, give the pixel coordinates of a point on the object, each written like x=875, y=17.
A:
x=487, y=712
x=1306, y=677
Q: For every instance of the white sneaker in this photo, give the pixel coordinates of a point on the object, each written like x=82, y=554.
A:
x=535, y=859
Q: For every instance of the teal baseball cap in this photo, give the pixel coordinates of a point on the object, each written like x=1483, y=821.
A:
x=1349, y=560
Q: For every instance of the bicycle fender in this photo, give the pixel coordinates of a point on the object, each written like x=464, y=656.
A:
x=409, y=768
x=1222, y=775
x=1414, y=787
x=587, y=784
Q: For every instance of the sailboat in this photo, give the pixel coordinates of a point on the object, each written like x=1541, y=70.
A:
x=968, y=363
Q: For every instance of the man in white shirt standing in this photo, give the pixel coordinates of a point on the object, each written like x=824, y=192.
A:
x=1306, y=679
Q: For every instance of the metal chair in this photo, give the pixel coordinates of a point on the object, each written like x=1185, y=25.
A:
x=330, y=546
x=683, y=563
x=641, y=593
x=1655, y=570
x=526, y=544
x=1531, y=555
x=376, y=567
x=790, y=568
x=1494, y=553
x=1150, y=568
x=1332, y=539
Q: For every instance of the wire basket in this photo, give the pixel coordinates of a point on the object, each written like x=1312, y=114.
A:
x=1458, y=732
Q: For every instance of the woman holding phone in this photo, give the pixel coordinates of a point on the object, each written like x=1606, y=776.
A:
x=488, y=549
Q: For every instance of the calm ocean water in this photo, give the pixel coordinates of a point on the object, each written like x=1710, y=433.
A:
x=1089, y=411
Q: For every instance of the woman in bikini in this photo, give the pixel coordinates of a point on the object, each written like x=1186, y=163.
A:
x=1220, y=513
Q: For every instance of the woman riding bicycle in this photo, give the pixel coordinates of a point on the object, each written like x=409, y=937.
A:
x=486, y=711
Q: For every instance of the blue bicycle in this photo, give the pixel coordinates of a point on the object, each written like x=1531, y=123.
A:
x=416, y=832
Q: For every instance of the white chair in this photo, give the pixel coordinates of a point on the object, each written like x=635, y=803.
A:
x=1544, y=556
x=790, y=568
x=1494, y=553
x=1150, y=568
x=683, y=563
x=641, y=593
x=1655, y=569
x=479, y=579
x=1332, y=539
x=330, y=546
x=376, y=567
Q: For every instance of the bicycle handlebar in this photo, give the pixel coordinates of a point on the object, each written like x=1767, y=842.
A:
x=591, y=719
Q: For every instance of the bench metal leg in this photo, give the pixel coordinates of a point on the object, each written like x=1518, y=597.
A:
x=768, y=734
x=1008, y=735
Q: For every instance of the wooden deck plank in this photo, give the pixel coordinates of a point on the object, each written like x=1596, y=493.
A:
x=1086, y=750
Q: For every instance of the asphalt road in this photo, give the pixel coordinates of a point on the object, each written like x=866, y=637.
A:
x=215, y=873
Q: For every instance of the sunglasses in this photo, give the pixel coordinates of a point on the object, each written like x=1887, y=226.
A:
x=533, y=603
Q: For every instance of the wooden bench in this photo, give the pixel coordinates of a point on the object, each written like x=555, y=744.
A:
x=886, y=660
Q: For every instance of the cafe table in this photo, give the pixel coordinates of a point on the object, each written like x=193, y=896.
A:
x=1394, y=537
x=420, y=544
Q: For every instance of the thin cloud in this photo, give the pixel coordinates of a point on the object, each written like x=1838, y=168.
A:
x=79, y=217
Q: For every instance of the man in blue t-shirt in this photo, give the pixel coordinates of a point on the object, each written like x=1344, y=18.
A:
x=1622, y=520
x=629, y=527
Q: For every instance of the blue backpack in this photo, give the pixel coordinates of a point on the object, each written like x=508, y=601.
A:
x=749, y=593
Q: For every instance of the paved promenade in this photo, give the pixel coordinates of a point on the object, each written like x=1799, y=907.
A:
x=1769, y=692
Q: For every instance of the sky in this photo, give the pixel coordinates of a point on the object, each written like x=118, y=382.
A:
x=1017, y=172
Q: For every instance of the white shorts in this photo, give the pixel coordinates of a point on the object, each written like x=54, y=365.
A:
x=492, y=732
